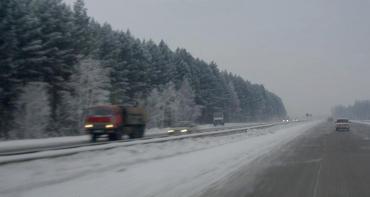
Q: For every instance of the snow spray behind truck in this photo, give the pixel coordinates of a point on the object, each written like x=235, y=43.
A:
x=115, y=121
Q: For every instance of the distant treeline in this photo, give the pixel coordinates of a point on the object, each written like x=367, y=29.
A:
x=55, y=61
x=358, y=111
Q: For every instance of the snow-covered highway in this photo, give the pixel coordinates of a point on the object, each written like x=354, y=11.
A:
x=173, y=168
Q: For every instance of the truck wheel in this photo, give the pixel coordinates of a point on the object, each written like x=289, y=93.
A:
x=112, y=136
x=118, y=135
x=138, y=132
x=93, y=137
x=141, y=131
x=132, y=135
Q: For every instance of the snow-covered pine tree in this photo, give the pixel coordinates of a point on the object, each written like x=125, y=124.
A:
x=8, y=67
x=56, y=20
x=133, y=66
x=82, y=33
x=20, y=54
x=160, y=69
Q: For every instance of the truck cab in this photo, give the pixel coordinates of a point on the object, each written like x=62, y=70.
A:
x=114, y=121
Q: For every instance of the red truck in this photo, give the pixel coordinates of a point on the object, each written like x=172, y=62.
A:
x=114, y=121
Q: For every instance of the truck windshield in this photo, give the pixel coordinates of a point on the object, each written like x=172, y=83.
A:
x=99, y=111
x=218, y=114
x=342, y=121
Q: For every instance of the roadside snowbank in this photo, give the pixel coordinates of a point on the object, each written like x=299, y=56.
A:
x=32, y=143
x=174, y=168
x=367, y=122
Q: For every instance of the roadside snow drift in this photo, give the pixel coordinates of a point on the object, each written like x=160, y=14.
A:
x=174, y=168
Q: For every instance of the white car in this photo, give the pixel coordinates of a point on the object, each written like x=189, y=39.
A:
x=342, y=124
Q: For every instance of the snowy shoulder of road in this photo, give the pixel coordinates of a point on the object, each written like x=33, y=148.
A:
x=174, y=168
x=153, y=131
x=361, y=121
x=13, y=145
x=32, y=143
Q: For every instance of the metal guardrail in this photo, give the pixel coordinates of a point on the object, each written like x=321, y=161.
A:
x=82, y=143
x=53, y=152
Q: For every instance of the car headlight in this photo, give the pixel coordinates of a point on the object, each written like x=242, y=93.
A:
x=89, y=126
x=171, y=131
x=184, y=130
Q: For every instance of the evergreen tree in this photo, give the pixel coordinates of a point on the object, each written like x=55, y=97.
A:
x=82, y=33
x=360, y=110
x=56, y=21
x=8, y=66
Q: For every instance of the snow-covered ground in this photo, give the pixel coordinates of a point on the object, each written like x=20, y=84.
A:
x=60, y=141
x=361, y=121
x=200, y=127
x=32, y=143
x=174, y=168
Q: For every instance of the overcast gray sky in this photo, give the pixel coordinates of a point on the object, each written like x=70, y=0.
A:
x=313, y=54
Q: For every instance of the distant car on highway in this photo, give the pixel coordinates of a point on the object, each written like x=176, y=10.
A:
x=182, y=127
x=218, y=118
x=342, y=124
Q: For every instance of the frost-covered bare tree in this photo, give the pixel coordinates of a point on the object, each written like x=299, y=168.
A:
x=91, y=84
x=155, y=109
x=234, y=108
x=185, y=108
x=160, y=105
x=168, y=105
x=33, y=111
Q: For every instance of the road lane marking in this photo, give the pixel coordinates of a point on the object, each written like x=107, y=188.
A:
x=316, y=188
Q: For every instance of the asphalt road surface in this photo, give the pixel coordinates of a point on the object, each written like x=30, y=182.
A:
x=320, y=163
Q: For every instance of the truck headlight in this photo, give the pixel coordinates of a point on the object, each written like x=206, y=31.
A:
x=171, y=131
x=109, y=126
x=87, y=126
x=184, y=130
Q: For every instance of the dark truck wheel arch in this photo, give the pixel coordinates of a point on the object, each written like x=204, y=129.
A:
x=137, y=132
